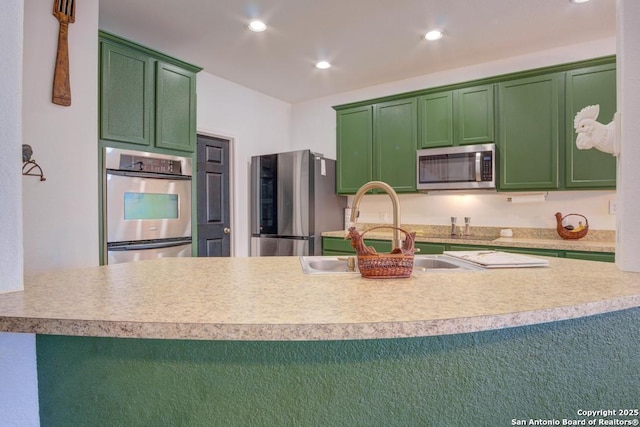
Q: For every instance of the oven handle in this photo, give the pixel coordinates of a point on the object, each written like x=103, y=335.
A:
x=149, y=245
x=143, y=174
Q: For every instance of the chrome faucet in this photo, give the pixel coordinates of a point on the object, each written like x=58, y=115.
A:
x=397, y=242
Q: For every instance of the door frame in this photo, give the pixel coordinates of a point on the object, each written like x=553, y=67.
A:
x=232, y=201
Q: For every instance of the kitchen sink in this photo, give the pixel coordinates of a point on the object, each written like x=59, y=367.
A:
x=421, y=264
x=326, y=264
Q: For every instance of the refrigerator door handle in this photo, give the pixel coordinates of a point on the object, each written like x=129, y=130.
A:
x=149, y=245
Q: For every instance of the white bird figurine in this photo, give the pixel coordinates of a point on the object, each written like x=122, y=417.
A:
x=591, y=133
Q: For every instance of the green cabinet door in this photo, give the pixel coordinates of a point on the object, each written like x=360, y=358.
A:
x=436, y=120
x=592, y=256
x=589, y=86
x=354, y=148
x=175, y=107
x=423, y=248
x=146, y=97
x=474, y=115
x=529, y=132
x=457, y=117
x=395, y=143
x=126, y=95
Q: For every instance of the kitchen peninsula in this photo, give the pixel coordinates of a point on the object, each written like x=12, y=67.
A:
x=253, y=341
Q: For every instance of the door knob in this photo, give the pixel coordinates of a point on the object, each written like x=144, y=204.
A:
x=226, y=230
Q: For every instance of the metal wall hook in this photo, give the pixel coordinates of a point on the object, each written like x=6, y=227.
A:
x=29, y=165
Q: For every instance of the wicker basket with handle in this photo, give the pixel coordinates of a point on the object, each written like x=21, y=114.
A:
x=570, y=234
x=394, y=265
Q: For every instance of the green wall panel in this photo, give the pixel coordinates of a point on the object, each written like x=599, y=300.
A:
x=479, y=379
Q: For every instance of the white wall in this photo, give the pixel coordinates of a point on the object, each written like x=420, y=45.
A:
x=256, y=124
x=10, y=141
x=314, y=126
x=628, y=227
x=18, y=381
x=61, y=213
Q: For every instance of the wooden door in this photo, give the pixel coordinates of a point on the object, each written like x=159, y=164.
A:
x=213, y=177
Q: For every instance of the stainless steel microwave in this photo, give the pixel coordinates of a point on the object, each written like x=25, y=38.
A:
x=457, y=168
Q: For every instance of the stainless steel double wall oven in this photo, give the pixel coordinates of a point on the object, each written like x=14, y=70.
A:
x=148, y=205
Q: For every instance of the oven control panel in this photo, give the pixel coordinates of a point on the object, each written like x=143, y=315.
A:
x=150, y=164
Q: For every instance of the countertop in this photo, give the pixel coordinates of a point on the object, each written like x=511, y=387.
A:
x=269, y=298
x=596, y=241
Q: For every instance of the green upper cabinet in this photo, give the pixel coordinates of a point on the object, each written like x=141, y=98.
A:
x=354, y=165
x=530, y=115
x=146, y=98
x=589, y=86
x=436, y=119
x=395, y=143
x=175, y=107
x=457, y=117
x=473, y=112
x=377, y=142
x=126, y=95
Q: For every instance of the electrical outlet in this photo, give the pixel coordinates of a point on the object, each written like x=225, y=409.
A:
x=612, y=207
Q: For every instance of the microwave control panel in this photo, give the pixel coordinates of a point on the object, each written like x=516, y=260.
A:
x=150, y=164
x=486, y=166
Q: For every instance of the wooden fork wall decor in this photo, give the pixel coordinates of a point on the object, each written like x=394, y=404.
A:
x=65, y=12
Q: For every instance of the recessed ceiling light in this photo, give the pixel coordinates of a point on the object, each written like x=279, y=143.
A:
x=323, y=65
x=433, y=35
x=257, y=26
x=579, y=1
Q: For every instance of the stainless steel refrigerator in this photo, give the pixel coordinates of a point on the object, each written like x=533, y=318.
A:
x=293, y=200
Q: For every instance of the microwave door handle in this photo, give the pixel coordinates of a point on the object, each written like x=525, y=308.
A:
x=478, y=168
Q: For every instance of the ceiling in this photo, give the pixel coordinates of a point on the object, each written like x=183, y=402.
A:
x=369, y=42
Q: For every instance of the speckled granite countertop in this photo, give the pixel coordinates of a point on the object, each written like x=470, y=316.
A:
x=538, y=238
x=271, y=299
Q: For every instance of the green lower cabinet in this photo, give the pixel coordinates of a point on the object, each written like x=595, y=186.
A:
x=592, y=256
x=590, y=86
x=332, y=246
x=429, y=248
x=337, y=253
x=335, y=246
x=529, y=132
